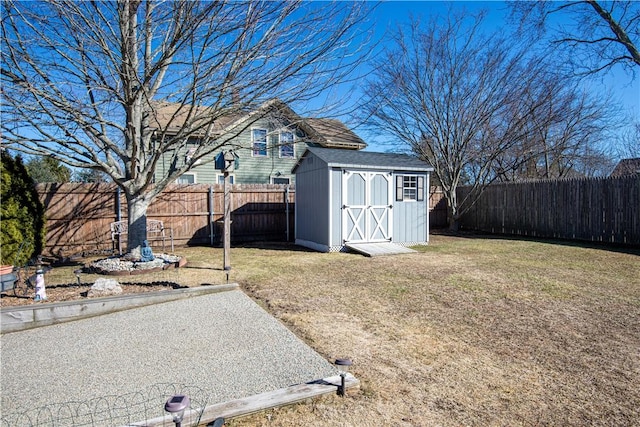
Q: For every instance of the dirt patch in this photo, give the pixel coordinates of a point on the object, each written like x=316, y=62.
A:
x=74, y=291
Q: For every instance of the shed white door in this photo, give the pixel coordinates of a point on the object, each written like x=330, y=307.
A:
x=366, y=211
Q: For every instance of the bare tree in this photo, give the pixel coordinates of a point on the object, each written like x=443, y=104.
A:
x=460, y=100
x=629, y=146
x=83, y=82
x=599, y=34
x=570, y=137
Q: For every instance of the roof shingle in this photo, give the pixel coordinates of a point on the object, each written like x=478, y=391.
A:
x=367, y=160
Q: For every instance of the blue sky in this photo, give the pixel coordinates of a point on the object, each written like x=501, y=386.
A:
x=622, y=88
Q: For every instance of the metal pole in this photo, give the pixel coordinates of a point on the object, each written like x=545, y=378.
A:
x=341, y=390
x=118, y=208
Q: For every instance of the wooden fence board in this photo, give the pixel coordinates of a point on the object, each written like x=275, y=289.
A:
x=597, y=209
x=78, y=215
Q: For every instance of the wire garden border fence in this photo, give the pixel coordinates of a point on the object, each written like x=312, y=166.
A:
x=124, y=410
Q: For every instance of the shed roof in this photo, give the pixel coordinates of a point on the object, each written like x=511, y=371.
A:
x=365, y=160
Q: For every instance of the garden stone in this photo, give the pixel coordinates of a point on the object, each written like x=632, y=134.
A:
x=104, y=287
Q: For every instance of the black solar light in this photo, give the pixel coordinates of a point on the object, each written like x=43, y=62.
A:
x=176, y=406
x=343, y=367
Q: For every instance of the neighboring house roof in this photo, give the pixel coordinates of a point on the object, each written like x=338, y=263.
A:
x=627, y=167
x=365, y=160
x=171, y=117
x=336, y=134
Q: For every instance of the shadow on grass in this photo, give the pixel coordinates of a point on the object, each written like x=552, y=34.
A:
x=631, y=249
x=265, y=245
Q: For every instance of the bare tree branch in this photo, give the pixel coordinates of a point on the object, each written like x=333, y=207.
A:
x=82, y=82
x=600, y=35
x=474, y=105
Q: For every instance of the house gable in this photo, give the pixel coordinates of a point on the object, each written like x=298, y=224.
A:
x=268, y=142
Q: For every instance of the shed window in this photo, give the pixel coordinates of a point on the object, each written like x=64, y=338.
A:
x=409, y=188
x=259, y=142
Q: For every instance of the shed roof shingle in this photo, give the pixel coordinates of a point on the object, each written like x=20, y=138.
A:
x=366, y=160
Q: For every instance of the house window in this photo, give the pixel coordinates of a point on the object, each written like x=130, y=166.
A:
x=186, y=178
x=281, y=180
x=286, y=145
x=409, y=188
x=259, y=142
x=221, y=179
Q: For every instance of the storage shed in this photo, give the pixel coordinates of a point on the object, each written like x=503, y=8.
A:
x=350, y=198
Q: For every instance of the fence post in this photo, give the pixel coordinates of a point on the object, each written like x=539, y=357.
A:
x=118, y=218
x=286, y=204
x=212, y=232
x=118, y=210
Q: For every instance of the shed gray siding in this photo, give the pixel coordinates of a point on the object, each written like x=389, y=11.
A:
x=411, y=219
x=312, y=204
x=336, y=208
x=325, y=217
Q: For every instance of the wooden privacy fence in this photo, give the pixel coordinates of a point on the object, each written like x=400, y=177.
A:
x=594, y=209
x=79, y=215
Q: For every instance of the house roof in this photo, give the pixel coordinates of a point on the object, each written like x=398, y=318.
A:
x=336, y=134
x=331, y=133
x=365, y=160
x=627, y=167
x=171, y=117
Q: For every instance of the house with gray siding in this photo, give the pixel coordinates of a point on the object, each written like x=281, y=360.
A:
x=268, y=142
x=353, y=197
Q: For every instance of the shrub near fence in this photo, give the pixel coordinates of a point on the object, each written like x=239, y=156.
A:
x=78, y=215
x=594, y=209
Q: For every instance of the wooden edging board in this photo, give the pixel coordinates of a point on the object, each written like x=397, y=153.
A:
x=259, y=402
x=13, y=319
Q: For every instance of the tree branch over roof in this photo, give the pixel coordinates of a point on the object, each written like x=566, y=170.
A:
x=82, y=81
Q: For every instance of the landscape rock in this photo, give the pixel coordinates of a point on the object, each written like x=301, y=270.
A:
x=104, y=287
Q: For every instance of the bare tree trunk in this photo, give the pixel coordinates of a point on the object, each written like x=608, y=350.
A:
x=137, y=221
x=453, y=217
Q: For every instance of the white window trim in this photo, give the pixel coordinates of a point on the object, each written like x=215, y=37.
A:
x=189, y=154
x=273, y=178
x=266, y=142
x=195, y=178
x=419, y=189
x=280, y=144
x=220, y=178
